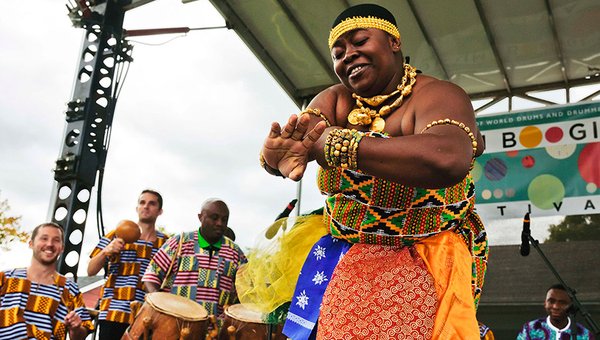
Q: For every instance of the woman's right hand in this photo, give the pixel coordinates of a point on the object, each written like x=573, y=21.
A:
x=287, y=149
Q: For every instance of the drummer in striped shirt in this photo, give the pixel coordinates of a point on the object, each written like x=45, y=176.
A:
x=37, y=302
x=123, y=293
x=200, y=265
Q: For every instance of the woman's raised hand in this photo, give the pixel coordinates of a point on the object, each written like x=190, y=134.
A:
x=288, y=149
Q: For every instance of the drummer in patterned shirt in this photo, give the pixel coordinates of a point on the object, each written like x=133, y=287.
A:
x=200, y=265
x=37, y=302
x=123, y=293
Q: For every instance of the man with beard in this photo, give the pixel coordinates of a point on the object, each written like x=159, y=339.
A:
x=123, y=293
x=557, y=325
x=37, y=302
x=200, y=265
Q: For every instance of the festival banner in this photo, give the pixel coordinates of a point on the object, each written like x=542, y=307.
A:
x=544, y=161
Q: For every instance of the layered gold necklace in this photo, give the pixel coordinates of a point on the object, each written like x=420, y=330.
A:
x=362, y=115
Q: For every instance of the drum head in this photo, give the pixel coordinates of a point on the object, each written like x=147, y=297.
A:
x=176, y=306
x=244, y=312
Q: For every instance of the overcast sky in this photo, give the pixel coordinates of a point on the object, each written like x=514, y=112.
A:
x=189, y=123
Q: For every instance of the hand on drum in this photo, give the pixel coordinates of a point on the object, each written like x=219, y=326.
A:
x=288, y=149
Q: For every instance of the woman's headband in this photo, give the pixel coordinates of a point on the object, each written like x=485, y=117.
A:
x=363, y=16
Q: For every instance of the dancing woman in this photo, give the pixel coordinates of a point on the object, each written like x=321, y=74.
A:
x=405, y=253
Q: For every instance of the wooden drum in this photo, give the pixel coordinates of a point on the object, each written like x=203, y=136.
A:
x=167, y=316
x=243, y=323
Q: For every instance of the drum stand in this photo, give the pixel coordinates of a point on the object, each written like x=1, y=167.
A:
x=270, y=329
x=577, y=306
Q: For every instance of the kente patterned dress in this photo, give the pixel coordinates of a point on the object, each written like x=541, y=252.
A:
x=204, y=275
x=124, y=285
x=413, y=268
x=29, y=310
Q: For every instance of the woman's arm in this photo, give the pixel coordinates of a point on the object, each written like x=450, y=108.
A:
x=427, y=155
x=290, y=147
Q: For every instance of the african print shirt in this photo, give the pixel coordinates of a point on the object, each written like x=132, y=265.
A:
x=29, y=310
x=206, y=275
x=123, y=284
x=542, y=329
x=485, y=333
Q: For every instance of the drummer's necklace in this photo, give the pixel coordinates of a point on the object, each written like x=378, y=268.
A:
x=362, y=115
x=44, y=280
x=35, y=285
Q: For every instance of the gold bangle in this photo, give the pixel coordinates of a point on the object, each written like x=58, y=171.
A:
x=268, y=169
x=326, y=149
x=316, y=112
x=461, y=125
x=341, y=148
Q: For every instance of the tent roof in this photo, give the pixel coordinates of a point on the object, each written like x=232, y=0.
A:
x=489, y=48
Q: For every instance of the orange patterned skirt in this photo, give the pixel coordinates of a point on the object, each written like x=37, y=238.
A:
x=417, y=292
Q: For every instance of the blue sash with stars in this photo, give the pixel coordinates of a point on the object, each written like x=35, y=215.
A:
x=312, y=282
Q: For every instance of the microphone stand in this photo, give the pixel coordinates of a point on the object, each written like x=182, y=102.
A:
x=577, y=305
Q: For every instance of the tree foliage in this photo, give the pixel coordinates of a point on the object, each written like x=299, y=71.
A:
x=10, y=228
x=575, y=228
x=163, y=230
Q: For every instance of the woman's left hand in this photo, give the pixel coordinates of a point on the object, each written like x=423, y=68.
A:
x=288, y=149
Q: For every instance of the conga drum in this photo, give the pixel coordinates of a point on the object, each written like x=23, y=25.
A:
x=167, y=316
x=243, y=323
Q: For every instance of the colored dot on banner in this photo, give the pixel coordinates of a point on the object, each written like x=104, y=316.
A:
x=528, y=161
x=486, y=194
x=477, y=171
x=510, y=192
x=495, y=169
x=512, y=153
x=530, y=136
x=554, y=134
x=546, y=190
x=498, y=193
x=591, y=188
x=589, y=163
x=561, y=151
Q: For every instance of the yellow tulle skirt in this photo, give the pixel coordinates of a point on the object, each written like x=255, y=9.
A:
x=268, y=280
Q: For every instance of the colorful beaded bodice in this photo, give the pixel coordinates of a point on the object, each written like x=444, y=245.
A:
x=364, y=209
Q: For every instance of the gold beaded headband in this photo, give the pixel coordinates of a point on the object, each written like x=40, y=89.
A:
x=362, y=22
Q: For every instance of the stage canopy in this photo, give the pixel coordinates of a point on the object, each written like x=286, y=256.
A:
x=492, y=49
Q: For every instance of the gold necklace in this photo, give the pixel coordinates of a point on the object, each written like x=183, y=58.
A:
x=37, y=283
x=362, y=115
x=42, y=279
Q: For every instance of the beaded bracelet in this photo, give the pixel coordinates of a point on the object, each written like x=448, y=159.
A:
x=316, y=112
x=465, y=128
x=268, y=169
x=341, y=148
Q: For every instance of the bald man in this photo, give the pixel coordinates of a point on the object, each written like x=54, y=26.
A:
x=203, y=262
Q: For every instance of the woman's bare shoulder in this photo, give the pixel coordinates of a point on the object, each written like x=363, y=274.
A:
x=334, y=101
x=335, y=93
x=432, y=85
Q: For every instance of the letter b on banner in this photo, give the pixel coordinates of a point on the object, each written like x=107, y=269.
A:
x=508, y=140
